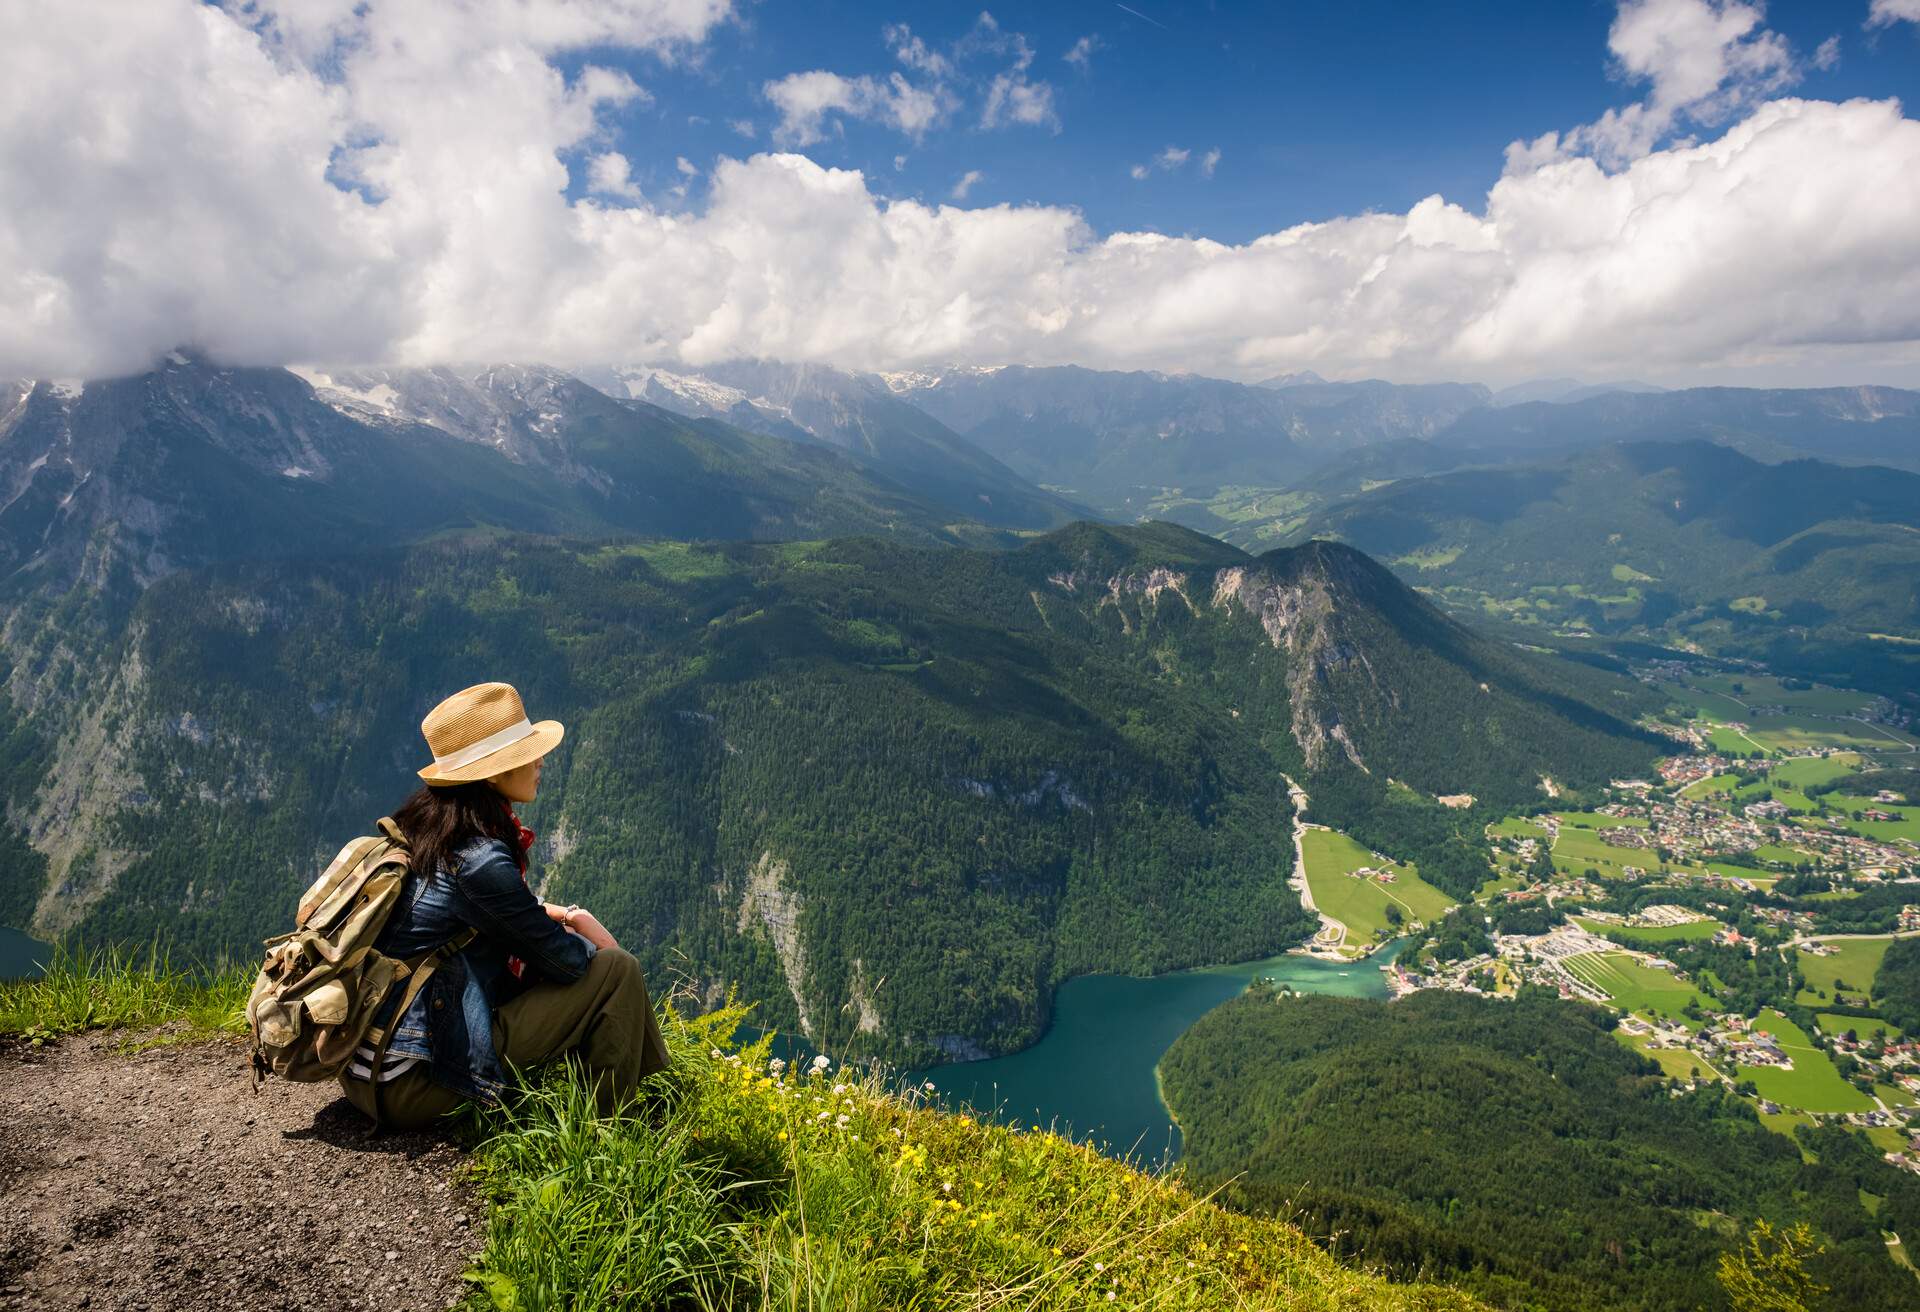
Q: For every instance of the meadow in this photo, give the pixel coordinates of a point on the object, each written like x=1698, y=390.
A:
x=1855, y=961
x=1813, y=1085
x=1691, y=932
x=1361, y=904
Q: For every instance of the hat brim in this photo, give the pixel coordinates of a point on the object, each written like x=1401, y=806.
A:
x=545, y=737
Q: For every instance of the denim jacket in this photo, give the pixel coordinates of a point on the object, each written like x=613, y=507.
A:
x=450, y=1023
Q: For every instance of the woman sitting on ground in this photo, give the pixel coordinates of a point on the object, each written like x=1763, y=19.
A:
x=534, y=981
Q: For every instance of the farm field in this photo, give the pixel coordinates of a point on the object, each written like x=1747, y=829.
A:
x=1693, y=932
x=1765, y=690
x=1361, y=904
x=1813, y=1085
x=1789, y=733
x=1832, y=1022
x=1855, y=960
x=1907, y=827
x=1646, y=990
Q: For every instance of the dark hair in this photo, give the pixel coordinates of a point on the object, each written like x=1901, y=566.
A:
x=439, y=820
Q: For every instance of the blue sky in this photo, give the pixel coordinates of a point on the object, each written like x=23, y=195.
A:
x=1318, y=110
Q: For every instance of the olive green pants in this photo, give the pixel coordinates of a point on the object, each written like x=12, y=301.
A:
x=605, y=1017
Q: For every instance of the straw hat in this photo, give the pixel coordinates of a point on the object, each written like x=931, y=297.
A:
x=483, y=731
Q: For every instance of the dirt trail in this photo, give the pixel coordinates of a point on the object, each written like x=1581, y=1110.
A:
x=160, y=1181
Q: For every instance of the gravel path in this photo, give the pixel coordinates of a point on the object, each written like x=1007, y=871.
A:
x=160, y=1181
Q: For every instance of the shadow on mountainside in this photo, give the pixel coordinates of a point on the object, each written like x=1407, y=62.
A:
x=158, y=1180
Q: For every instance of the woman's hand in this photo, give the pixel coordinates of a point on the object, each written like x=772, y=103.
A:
x=580, y=921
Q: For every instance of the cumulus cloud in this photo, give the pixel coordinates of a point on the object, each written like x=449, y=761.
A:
x=965, y=184
x=1885, y=13
x=1704, y=61
x=946, y=79
x=406, y=200
x=607, y=175
x=1209, y=162
x=806, y=99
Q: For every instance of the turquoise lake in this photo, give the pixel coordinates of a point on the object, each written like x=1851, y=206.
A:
x=1093, y=1073
x=20, y=956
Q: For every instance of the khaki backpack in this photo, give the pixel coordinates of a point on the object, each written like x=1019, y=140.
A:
x=320, y=987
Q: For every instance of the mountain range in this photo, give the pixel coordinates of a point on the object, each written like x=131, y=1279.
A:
x=896, y=786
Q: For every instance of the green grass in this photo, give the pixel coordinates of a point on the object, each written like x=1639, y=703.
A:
x=1361, y=904
x=1765, y=690
x=1672, y=1062
x=1694, y=931
x=732, y=1184
x=1644, y=990
x=1908, y=826
x=1788, y=733
x=1855, y=960
x=1579, y=846
x=677, y=562
x=1714, y=785
x=1831, y=1022
x=122, y=989
x=1813, y=1085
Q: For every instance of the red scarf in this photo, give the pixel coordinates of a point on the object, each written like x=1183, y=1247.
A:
x=515, y=966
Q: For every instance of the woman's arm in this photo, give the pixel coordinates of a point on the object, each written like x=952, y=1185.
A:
x=493, y=898
x=584, y=923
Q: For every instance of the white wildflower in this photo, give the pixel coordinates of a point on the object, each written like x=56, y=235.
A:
x=821, y=1064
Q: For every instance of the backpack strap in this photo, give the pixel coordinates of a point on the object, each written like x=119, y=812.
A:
x=416, y=972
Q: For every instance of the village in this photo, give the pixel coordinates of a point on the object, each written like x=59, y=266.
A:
x=1673, y=832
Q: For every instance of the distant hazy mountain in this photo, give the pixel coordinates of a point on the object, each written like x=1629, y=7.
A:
x=1562, y=390
x=1856, y=424
x=1687, y=538
x=1117, y=439
x=859, y=414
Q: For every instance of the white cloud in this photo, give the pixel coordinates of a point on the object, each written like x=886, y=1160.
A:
x=1080, y=54
x=607, y=175
x=1885, y=13
x=1209, y=162
x=914, y=52
x=743, y=127
x=966, y=183
x=1826, y=56
x=1172, y=157
x=1139, y=172
x=806, y=99
x=686, y=167
x=1703, y=60
x=1785, y=243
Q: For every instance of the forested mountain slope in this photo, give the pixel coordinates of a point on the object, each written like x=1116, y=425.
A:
x=1687, y=537
x=897, y=793
x=1512, y=1147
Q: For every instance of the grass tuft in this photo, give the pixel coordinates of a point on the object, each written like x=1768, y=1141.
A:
x=120, y=988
